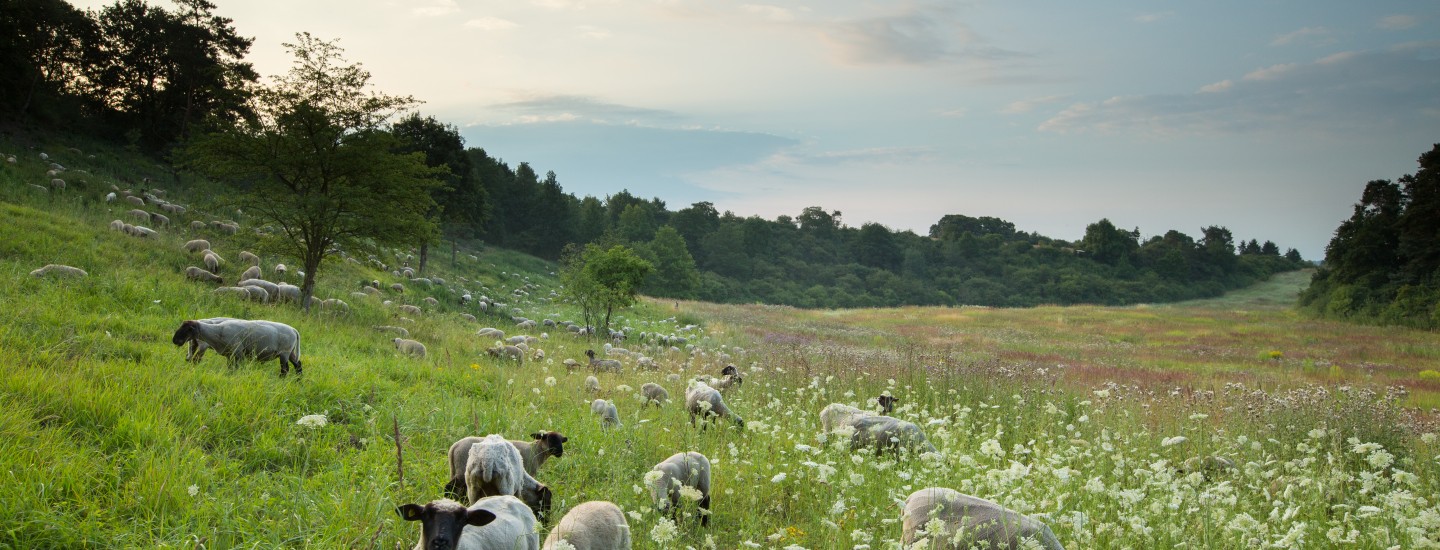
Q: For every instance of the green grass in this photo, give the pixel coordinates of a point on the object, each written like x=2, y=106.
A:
x=109, y=439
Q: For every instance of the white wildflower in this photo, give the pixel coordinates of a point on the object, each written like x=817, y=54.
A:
x=664, y=531
x=550, y=381
x=1172, y=441
x=778, y=478
x=314, y=421
x=194, y=490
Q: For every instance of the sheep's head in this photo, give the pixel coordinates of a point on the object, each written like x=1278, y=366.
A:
x=185, y=333
x=887, y=403
x=538, y=499
x=590, y=353
x=552, y=443
x=729, y=370
x=442, y=521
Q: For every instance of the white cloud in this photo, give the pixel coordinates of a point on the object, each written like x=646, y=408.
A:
x=773, y=13
x=1271, y=72
x=1027, y=105
x=1397, y=22
x=911, y=36
x=593, y=32
x=489, y=23
x=435, y=8
x=1307, y=35
x=955, y=113
x=1217, y=87
x=559, y=5
x=1152, y=17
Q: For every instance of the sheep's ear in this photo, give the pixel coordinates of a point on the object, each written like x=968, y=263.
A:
x=479, y=518
x=410, y=512
x=538, y=436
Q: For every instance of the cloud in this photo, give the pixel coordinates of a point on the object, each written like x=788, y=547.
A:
x=1309, y=35
x=593, y=32
x=1153, y=17
x=551, y=108
x=1397, y=22
x=563, y=5
x=1349, y=93
x=772, y=13
x=955, y=113
x=1027, y=105
x=435, y=8
x=489, y=23
x=915, y=36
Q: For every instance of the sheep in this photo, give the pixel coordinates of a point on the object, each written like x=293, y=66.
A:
x=252, y=272
x=197, y=225
x=593, y=525
x=139, y=215
x=173, y=208
x=140, y=231
x=517, y=340
x=197, y=348
x=494, y=467
x=196, y=274
x=132, y=199
x=227, y=228
x=500, y=522
x=886, y=433
x=532, y=456
x=212, y=261
x=412, y=310
x=398, y=288
x=249, y=258
x=597, y=365
x=432, y=302
x=983, y=523
x=571, y=365
x=396, y=330
x=110, y=197
x=837, y=415
x=370, y=291
x=666, y=479
x=592, y=384
x=57, y=184
x=59, y=271
x=509, y=352
x=654, y=393
x=609, y=417
x=887, y=403
x=409, y=347
x=239, y=291
x=334, y=304
x=272, y=289
x=258, y=294
x=491, y=332
x=280, y=269
x=706, y=402
x=118, y=225
x=242, y=339
x=288, y=293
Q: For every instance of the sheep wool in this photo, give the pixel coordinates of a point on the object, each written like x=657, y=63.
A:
x=57, y=270
x=593, y=525
x=979, y=523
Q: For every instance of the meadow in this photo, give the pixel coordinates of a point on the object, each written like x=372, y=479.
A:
x=1097, y=421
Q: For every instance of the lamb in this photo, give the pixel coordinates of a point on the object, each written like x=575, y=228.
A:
x=571, y=366
x=212, y=261
x=983, y=523
x=59, y=271
x=609, y=417
x=250, y=258
x=495, y=467
x=598, y=365
x=409, y=347
x=508, y=352
x=886, y=433
x=706, y=402
x=252, y=272
x=241, y=339
x=654, y=393
x=500, y=522
x=593, y=525
x=681, y=470
x=837, y=415
x=196, y=274
x=532, y=456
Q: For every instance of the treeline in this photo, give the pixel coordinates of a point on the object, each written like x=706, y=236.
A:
x=1383, y=264
x=156, y=80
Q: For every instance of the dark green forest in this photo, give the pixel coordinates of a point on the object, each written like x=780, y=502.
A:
x=153, y=80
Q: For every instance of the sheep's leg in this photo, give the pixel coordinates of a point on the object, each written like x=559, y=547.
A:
x=705, y=515
x=285, y=367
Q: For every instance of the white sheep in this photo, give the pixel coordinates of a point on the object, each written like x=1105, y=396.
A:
x=593, y=525
x=609, y=416
x=592, y=384
x=212, y=261
x=431, y=301
x=160, y=220
x=242, y=339
x=118, y=225
x=491, y=332
x=597, y=365
x=707, y=403
x=532, y=456
x=409, y=347
x=197, y=225
x=252, y=272
x=838, y=415
x=249, y=258
x=132, y=199
x=138, y=215
x=288, y=293
x=495, y=467
x=979, y=523
x=667, y=478
x=196, y=274
x=885, y=433
x=196, y=245
x=467, y=317
x=507, y=352
x=140, y=231
x=409, y=309
x=499, y=522
x=280, y=269
x=654, y=393
x=272, y=290
x=110, y=197
x=58, y=270
x=402, y=331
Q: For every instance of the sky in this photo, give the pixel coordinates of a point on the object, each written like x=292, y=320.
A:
x=1264, y=116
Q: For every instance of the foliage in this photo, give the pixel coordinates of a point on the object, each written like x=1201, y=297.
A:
x=1382, y=265
x=461, y=204
x=675, y=275
x=602, y=280
x=318, y=165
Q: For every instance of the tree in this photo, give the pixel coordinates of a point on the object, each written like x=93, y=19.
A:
x=675, y=275
x=460, y=204
x=41, y=61
x=602, y=280
x=1109, y=245
x=319, y=165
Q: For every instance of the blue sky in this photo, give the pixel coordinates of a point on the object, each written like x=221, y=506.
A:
x=1267, y=117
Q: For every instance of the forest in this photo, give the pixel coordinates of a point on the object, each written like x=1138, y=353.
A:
x=156, y=80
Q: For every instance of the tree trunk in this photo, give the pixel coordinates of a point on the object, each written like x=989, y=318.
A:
x=424, y=257
x=307, y=285
x=454, y=251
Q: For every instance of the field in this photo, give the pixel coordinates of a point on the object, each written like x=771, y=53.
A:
x=1097, y=421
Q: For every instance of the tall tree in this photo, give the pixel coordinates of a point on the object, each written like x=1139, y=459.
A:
x=320, y=166
x=460, y=204
x=675, y=275
x=1108, y=244
x=602, y=280
x=1419, y=226
x=42, y=60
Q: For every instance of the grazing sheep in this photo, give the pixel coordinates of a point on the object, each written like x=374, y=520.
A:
x=258, y=294
x=837, y=415
x=412, y=310
x=272, y=289
x=249, y=258
x=495, y=468
x=491, y=332
x=197, y=348
x=517, y=340
x=654, y=393
x=212, y=261
x=197, y=225
x=370, y=291
x=507, y=352
x=59, y=271
x=467, y=317
x=727, y=382
x=160, y=220
x=593, y=525
x=196, y=274
x=981, y=523
x=885, y=433
x=139, y=215
x=140, y=231
x=887, y=403
x=110, y=197
x=592, y=384
x=118, y=225
x=280, y=269
x=132, y=199
x=571, y=365
x=402, y=331
x=609, y=416
x=432, y=302
x=501, y=522
x=532, y=455
x=241, y=339
x=398, y=288
x=252, y=272
x=667, y=478
x=333, y=304
x=409, y=347
x=227, y=228
x=706, y=402
x=597, y=365
x=57, y=184
x=173, y=208
x=288, y=293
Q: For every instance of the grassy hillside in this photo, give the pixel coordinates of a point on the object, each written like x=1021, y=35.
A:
x=1083, y=416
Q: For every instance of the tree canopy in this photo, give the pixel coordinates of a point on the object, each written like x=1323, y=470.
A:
x=602, y=280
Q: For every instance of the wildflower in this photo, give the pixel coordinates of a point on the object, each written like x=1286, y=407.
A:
x=860, y=537
x=691, y=493
x=1172, y=441
x=1427, y=438
x=1380, y=459
x=664, y=531
x=563, y=544
x=194, y=490
x=1199, y=416
x=315, y=421
x=635, y=515
x=991, y=448
x=1364, y=448
x=1102, y=393
x=778, y=478
x=550, y=381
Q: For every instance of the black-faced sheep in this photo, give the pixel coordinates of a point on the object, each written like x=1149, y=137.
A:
x=887, y=403
x=533, y=455
x=597, y=365
x=240, y=339
x=884, y=433
x=198, y=347
x=495, y=467
x=667, y=480
x=706, y=402
x=981, y=523
x=593, y=525
x=501, y=522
